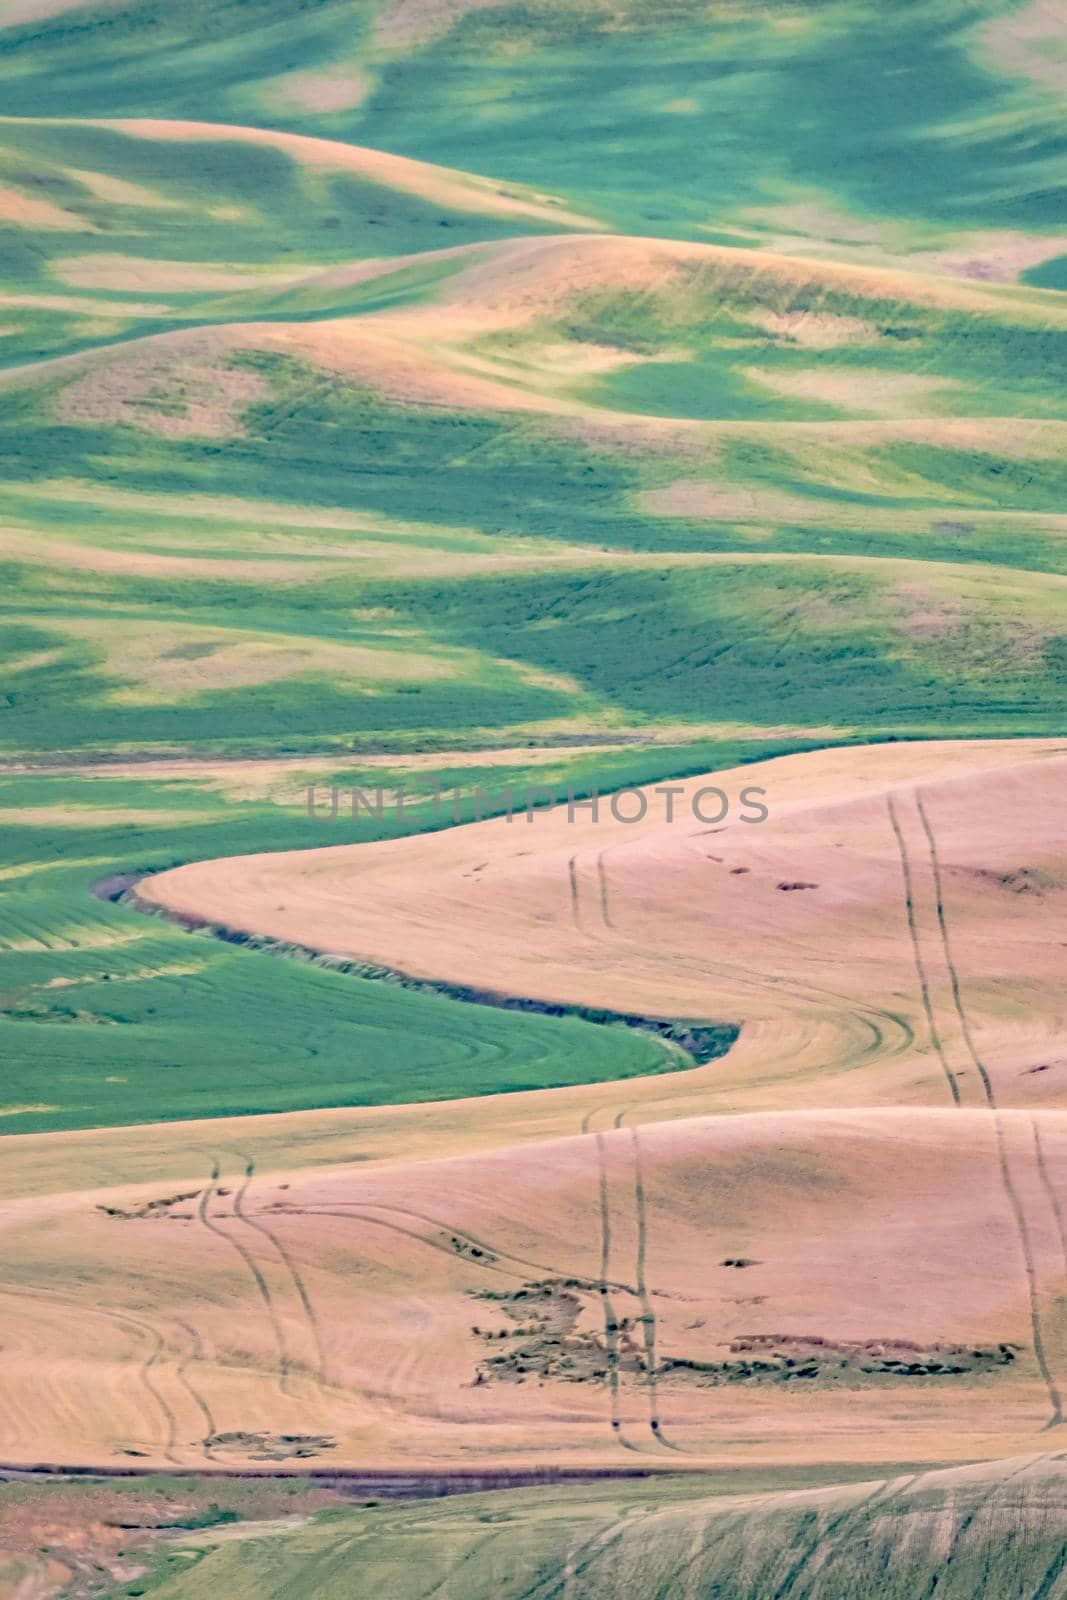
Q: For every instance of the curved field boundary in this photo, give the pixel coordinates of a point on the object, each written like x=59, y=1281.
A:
x=688, y=1041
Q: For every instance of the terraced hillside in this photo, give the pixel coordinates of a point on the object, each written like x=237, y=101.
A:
x=548, y=402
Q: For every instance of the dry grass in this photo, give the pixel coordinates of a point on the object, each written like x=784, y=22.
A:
x=334, y=88
x=405, y=23
x=443, y=186
x=66, y=555
x=60, y=816
x=867, y=391
x=149, y=276
x=120, y=192
x=816, y=330
x=15, y=12
x=31, y=211
x=160, y=663
x=178, y=385
x=1028, y=42
x=982, y=255
x=694, y=497
x=856, y=1230
x=993, y=257
x=254, y=515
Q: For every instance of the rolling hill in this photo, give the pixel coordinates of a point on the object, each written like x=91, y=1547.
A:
x=610, y=403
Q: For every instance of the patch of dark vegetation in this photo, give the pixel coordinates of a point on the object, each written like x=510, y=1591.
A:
x=469, y=1250
x=114, y=887
x=542, y=1341
x=272, y=1446
x=152, y=1208
x=545, y=1342
x=543, y=1289
x=213, y=1516
x=1022, y=880
x=789, y=887
x=785, y=1358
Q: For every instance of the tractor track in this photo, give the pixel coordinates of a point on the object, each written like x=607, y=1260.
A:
x=1008, y=1184
x=294, y=1273
x=262, y=1287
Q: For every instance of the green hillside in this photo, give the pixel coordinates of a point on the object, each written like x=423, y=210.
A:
x=994, y=1531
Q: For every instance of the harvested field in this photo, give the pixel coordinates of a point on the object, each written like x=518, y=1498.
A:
x=601, y=1291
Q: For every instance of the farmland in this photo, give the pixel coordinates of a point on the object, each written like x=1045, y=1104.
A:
x=672, y=1533
x=596, y=401
x=128, y=1019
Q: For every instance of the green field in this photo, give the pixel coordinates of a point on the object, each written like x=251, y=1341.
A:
x=908, y=1534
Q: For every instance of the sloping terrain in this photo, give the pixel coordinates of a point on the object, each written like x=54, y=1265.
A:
x=995, y=1524
x=809, y=925
x=761, y=1290
x=634, y=1271
x=653, y=407
x=1000, y=1528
